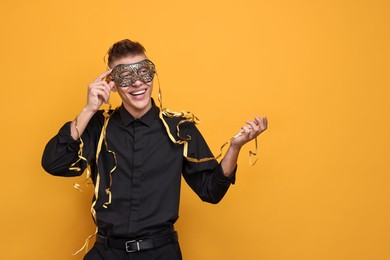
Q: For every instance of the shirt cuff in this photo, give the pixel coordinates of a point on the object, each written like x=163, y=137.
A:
x=221, y=178
x=65, y=137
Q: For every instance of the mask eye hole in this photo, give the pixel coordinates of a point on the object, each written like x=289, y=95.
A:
x=143, y=71
x=125, y=74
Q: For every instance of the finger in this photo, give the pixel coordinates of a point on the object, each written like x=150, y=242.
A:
x=254, y=126
x=101, y=85
x=97, y=92
x=101, y=91
x=247, y=129
x=107, y=86
x=111, y=84
x=264, y=123
x=257, y=120
x=103, y=75
x=103, y=95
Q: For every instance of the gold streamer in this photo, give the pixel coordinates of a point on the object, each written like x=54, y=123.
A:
x=190, y=117
x=104, y=130
x=77, y=186
x=86, y=243
x=73, y=166
x=102, y=139
x=251, y=153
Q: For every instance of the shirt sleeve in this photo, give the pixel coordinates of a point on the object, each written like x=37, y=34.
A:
x=206, y=179
x=62, y=150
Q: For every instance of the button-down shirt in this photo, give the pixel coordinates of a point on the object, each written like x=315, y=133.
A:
x=146, y=183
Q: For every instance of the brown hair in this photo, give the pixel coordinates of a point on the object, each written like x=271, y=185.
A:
x=124, y=48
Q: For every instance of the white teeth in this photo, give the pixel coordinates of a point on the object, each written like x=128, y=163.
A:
x=138, y=92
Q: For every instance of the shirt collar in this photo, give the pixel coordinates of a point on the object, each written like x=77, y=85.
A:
x=147, y=119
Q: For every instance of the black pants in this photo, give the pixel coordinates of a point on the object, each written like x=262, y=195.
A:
x=167, y=252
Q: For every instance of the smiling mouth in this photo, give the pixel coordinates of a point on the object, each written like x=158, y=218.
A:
x=138, y=93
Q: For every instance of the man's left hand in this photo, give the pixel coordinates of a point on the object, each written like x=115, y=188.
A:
x=249, y=132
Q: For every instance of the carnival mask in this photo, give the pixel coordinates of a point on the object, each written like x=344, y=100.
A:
x=125, y=75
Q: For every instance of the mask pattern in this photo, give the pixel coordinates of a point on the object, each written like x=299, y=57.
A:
x=125, y=75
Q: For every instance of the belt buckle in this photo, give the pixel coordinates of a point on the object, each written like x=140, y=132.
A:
x=128, y=243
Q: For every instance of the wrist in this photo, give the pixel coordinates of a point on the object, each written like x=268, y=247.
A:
x=235, y=147
x=88, y=112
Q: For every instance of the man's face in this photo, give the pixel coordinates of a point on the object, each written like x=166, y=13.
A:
x=134, y=83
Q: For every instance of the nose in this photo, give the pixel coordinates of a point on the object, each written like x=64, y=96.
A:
x=137, y=84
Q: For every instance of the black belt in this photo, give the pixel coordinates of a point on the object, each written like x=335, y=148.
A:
x=132, y=245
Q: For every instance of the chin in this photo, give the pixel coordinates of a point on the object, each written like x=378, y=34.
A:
x=138, y=108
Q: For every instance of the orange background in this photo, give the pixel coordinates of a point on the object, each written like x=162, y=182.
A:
x=318, y=69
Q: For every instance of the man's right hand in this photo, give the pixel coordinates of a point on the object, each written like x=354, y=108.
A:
x=99, y=92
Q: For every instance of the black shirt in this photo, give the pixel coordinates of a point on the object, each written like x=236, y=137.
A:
x=146, y=183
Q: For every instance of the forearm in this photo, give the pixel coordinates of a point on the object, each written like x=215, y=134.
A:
x=229, y=161
x=82, y=121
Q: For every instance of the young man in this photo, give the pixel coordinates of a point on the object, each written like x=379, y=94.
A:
x=137, y=155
